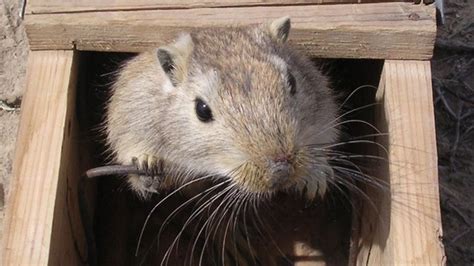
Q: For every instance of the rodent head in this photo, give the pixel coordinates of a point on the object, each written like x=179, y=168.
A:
x=240, y=104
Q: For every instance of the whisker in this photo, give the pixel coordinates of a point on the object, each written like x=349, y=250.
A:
x=196, y=213
x=159, y=203
x=356, y=142
x=361, y=137
x=355, y=91
x=348, y=122
x=247, y=197
x=211, y=219
x=223, y=203
x=269, y=235
x=224, y=240
x=201, y=195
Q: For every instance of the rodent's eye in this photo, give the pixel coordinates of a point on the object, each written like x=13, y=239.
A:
x=203, y=111
x=291, y=83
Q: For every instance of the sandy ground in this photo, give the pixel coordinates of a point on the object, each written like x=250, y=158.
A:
x=453, y=80
x=13, y=54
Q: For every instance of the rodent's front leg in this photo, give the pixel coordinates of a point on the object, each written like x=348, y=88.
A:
x=152, y=169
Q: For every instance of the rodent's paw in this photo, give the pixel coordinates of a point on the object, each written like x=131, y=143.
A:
x=152, y=172
x=317, y=186
x=149, y=165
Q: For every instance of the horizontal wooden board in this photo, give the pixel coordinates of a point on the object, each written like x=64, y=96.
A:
x=384, y=30
x=61, y=6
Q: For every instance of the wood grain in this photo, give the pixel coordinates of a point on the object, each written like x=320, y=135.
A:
x=406, y=229
x=37, y=228
x=60, y=6
x=384, y=30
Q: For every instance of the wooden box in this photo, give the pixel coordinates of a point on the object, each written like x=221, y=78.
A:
x=42, y=224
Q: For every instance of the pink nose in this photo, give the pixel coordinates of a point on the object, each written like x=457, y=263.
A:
x=282, y=158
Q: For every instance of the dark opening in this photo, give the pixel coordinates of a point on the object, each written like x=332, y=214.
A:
x=323, y=227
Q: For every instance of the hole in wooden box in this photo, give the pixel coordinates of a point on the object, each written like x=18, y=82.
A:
x=282, y=231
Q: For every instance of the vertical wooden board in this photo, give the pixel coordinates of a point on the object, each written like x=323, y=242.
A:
x=36, y=230
x=406, y=229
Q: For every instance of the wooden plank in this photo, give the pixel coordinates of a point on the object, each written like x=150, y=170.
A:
x=60, y=6
x=387, y=30
x=44, y=180
x=406, y=229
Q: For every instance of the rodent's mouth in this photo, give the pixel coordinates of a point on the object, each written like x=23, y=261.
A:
x=257, y=187
x=255, y=179
x=259, y=180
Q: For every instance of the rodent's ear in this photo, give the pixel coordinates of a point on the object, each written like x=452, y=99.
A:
x=174, y=58
x=279, y=29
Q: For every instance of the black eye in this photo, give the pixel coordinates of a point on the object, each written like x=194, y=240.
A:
x=291, y=83
x=203, y=111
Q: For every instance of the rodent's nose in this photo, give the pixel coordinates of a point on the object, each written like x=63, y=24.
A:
x=280, y=171
x=282, y=158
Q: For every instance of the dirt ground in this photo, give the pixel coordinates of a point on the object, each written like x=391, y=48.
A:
x=13, y=56
x=453, y=83
x=453, y=80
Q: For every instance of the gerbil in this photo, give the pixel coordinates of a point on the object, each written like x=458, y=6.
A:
x=237, y=104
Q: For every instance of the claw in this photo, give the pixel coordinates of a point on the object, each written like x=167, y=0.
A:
x=135, y=162
x=143, y=161
x=152, y=170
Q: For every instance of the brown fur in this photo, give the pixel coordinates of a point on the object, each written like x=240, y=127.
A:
x=241, y=73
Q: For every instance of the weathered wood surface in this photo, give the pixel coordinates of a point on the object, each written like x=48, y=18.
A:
x=61, y=6
x=406, y=229
x=385, y=30
x=42, y=222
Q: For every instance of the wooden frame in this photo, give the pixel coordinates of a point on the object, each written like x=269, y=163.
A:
x=383, y=31
x=42, y=223
x=58, y=6
x=405, y=229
